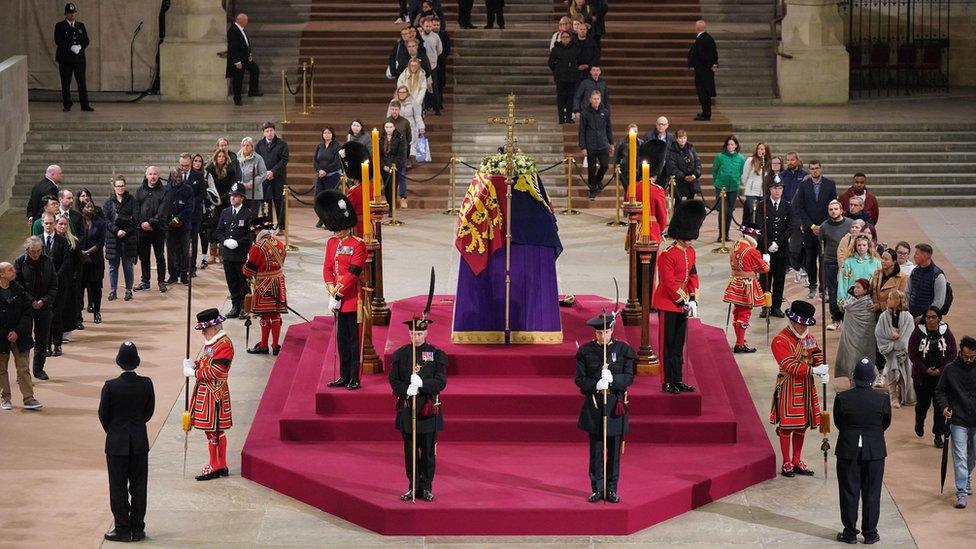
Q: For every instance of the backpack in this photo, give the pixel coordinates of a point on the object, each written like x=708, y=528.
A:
x=947, y=304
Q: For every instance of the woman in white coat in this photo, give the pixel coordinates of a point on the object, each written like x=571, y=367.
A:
x=753, y=173
x=413, y=112
x=415, y=79
x=892, y=332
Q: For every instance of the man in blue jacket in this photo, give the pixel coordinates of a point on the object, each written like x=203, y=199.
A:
x=179, y=216
x=596, y=141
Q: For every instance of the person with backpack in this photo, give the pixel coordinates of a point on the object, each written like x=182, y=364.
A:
x=927, y=286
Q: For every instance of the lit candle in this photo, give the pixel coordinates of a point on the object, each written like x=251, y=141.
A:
x=632, y=166
x=364, y=188
x=377, y=177
x=646, y=199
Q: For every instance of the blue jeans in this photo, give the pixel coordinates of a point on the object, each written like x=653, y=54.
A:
x=963, y=456
x=113, y=271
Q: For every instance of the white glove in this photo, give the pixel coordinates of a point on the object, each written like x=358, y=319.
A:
x=692, y=309
x=820, y=370
x=602, y=385
x=606, y=374
x=412, y=390
x=773, y=248
x=189, y=368
x=230, y=244
x=415, y=380
x=825, y=378
x=76, y=49
x=766, y=258
x=334, y=304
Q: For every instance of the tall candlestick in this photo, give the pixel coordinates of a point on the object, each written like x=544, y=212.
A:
x=364, y=188
x=377, y=176
x=632, y=166
x=646, y=199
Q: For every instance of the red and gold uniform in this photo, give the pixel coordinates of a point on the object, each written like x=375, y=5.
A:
x=744, y=290
x=345, y=259
x=355, y=196
x=659, y=209
x=210, y=409
x=264, y=264
x=796, y=404
x=675, y=292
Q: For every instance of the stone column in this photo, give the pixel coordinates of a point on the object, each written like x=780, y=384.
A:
x=817, y=70
x=196, y=31
x=962, y=44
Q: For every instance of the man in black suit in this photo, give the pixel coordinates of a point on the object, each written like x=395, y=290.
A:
x=234, y=234
x=56, y=247
x=776, y=214
x=240, y=59
x=274, y=151
x=810, y=208
x=464, y=14
x=496, y=12
x=66, y=199
x=45, y=187
x=72, y=40
x=861, y=415
x=126, y=406
x=196, y=181
x=703, y=58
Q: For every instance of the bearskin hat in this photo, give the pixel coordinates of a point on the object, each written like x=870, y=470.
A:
x=654, y=152
x=353, y=154
x=335, y=211
x=687, y=220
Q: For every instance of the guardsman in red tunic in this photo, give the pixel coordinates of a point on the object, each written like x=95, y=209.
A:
x=744, y=290
x=264, y=262
x=654, y=153
x=796, y=406
x=210, y=404
x=674, y=297
x=352, y=155
x=345, y=259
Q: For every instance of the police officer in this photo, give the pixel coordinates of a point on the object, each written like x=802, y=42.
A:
x=126, y=405
x=234, y=234
x=72, y=40
x=604, y=364
x=419, y=369
x=775, y=241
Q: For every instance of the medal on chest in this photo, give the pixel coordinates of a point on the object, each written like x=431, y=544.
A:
x=427, y=356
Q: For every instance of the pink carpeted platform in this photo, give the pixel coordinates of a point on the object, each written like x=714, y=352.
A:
x=510, y=460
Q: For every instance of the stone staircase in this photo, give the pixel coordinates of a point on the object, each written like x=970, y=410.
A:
x=89, y=153
x=906, y=165
x=489, y=65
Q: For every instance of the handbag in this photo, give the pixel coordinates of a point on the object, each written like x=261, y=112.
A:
x=423, y=150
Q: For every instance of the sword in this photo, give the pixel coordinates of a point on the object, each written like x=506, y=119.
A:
x=605, y=397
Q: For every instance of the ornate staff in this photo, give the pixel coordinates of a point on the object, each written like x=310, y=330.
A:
x=186, y=380
x=413, y=400
x=824, y=414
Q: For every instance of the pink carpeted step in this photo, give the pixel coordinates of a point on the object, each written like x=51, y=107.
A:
x=713, y=428
x=505, y=489
x=507, y=396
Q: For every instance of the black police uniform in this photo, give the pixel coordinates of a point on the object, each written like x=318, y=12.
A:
x=70, y=63
x=621, y=359
x=779, y=226
x=433, y=371
x=235, y=227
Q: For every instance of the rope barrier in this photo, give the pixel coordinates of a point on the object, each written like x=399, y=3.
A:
x=463, y=163
x=546, y=169
x=303, y=193
x=300, y=201
x=288, y=84
x=431, y=178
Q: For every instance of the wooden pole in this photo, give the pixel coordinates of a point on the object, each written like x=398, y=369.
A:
x=381, y=311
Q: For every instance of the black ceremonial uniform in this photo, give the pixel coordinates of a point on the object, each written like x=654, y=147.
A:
x=778, y=227
x=70, y=63
x=433, y=372
x=621, y=359
x=235, y=226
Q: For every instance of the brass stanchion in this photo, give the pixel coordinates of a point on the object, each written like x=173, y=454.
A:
x=452, y=209
x=284, y=91
x=616, y=202
x=343, y=182
x=288, y=245
x=723, y=249
x=304, y=88
x=671, y=197
x=393, y=222
x=569, y=187
x=311, y=85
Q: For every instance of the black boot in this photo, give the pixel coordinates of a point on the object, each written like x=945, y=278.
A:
x=339, y=382
x=113, y=535
x=594, y=497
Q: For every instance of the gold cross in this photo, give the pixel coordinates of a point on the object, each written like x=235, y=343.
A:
x=510, y=122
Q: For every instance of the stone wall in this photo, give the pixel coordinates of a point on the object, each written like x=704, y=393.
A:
x=14, y=122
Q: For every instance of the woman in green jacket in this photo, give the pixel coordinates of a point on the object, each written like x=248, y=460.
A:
x=726, y=171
